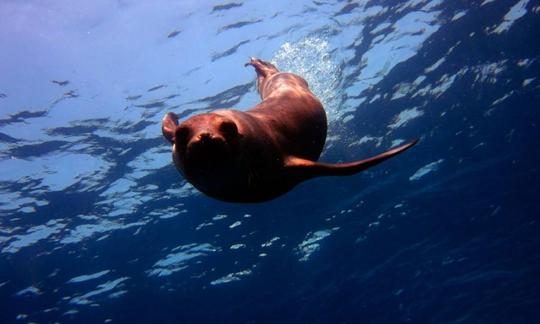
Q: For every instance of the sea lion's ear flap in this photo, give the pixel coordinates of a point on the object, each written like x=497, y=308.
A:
x=302, y=169
x=168, y=126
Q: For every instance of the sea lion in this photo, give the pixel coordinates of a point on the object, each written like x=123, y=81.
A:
x=260, y=154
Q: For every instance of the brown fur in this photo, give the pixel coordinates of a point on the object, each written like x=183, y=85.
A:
x=262, y=153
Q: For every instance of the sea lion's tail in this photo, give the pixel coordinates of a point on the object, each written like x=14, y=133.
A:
x=305, y=169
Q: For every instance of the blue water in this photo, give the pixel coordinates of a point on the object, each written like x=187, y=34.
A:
x=96, y=225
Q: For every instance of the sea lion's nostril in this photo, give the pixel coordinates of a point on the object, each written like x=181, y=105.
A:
x=204, y=137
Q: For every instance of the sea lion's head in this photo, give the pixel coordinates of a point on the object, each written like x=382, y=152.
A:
x=204, y=143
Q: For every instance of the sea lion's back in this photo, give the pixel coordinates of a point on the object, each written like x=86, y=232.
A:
x=295, y=113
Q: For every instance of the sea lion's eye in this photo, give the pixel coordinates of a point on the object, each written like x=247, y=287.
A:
x=181, y=135
x=228, y=129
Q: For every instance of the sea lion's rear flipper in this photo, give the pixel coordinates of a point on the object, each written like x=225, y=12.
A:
x=168, y=126
x=264, y=70
x=301, y=169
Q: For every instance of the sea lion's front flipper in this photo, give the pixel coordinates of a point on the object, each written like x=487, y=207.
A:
x=301, y=169
x=168, y=126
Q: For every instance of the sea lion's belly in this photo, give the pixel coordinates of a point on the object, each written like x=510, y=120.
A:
x=253, y=180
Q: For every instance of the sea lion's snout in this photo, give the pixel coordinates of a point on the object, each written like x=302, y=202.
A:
x=205, y=137
x=207, y=151
x=205, y=128
x=205, y=142
x=223, y=134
